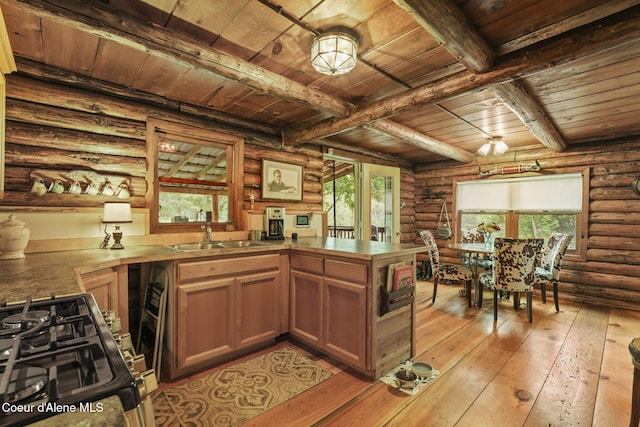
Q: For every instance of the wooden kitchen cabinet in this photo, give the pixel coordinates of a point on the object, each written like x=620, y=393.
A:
x=336, y=307
x=306, y=281
x=109, y=287
x=345, y=312
x=257, y=308
x=222, y=306
x=205, y=321
x=329, y=306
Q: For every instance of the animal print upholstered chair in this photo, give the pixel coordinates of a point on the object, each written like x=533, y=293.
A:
x=548, y=272
x=514, y=262
x=445, y=271
x=470, y=235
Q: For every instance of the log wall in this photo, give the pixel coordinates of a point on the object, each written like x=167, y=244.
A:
x=52, y=130
x=610, y=274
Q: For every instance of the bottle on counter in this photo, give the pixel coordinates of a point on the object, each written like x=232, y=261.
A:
x=14, y=237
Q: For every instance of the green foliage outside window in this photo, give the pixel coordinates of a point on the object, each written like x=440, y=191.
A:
x=345, y=200
x=530, y=225
x=542, y=225
x=472, y=220
x=190, y=207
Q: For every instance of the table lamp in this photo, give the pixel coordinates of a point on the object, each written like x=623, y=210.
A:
x=115, y=213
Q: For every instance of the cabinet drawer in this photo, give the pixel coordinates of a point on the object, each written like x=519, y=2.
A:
x=349, y=272
x=227, y=266
x=310, y=264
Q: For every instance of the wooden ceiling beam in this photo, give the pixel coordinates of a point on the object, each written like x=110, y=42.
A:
x=156, y=41
x=518, y=100
x=360, y=153
x=105, y=22
x=451, y=28
x=420, y=140
x=588, y=40
x=447, y=24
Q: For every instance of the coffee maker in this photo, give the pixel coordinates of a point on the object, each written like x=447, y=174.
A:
x=274, y=222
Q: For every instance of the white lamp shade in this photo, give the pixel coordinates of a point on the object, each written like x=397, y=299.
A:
x=493, y=146
x=116, y=212
x=500, y=147
x=334, y=53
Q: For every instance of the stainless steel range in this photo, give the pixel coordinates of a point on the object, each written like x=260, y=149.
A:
x=59, y=355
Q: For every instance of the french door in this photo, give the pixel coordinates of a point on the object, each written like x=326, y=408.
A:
x=379, y=203
x=362, y=200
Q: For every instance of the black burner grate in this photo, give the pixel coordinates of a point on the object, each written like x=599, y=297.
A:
x=59, y=351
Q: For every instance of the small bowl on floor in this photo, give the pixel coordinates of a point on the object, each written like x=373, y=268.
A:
x=406, y=379
x=421, y=369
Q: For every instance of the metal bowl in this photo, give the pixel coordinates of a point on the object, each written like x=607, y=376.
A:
x=406, y=379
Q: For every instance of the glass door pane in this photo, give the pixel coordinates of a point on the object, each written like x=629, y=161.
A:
x=339, y=197
x=380, y=203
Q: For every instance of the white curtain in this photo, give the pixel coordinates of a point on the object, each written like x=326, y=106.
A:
x=560, y=192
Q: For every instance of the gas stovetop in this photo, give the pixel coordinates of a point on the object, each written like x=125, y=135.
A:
x=58, y=355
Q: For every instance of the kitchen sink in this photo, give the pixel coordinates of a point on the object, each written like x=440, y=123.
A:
x=201, y=246
x=241, y=243
x=198, y=246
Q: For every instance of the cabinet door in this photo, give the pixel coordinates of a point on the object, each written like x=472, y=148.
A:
x=345, y=321
x=205, y=321
x=103, y=285
x=306, y=306
x=109, y=287
x=257, y=310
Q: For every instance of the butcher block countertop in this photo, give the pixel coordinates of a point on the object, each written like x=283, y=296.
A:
x=41, y=275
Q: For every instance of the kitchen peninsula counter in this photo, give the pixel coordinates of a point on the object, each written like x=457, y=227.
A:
x=41, y=275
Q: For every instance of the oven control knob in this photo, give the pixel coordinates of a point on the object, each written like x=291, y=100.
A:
x=115, y=325
x=136, y=363
x=108, y=315
x=125, y=343
x=112, y=321
x=147, y=382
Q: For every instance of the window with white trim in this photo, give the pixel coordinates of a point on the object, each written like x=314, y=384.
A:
x=526, y=207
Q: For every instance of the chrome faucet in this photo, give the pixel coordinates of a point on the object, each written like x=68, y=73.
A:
x=207, y=232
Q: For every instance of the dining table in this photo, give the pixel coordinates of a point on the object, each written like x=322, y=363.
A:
x=470, y=254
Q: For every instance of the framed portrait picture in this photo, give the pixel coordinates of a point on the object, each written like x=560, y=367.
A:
x=281, y=180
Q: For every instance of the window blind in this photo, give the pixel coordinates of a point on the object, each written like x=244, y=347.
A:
x=560, y=192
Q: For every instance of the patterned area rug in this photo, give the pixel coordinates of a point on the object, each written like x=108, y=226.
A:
x=238, y=393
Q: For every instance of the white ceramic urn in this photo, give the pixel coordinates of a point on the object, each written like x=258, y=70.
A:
x=14, y=237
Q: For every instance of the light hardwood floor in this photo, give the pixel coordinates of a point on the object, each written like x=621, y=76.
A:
x=567, y=368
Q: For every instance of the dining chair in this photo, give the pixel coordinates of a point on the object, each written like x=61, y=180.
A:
x=548, y=272
x=514, y=262
x=471, y=235
x=445, y=271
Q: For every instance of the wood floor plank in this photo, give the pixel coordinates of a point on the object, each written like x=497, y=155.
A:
x=569, y=393
x=469, y=360
x=512, y=392
x=613, y=404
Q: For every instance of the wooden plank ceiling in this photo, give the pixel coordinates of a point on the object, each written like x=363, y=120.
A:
x=434, y=79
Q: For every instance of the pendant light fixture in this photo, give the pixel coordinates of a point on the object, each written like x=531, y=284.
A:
x=335, y=51
x=493, y=146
